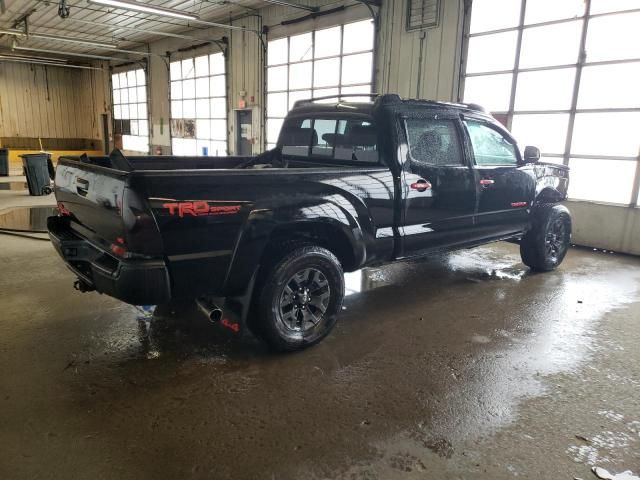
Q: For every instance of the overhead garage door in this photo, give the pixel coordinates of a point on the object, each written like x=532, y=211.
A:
x=564, y=76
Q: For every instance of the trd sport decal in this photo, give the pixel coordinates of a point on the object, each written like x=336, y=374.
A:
x=519, y=204
x=199, y=209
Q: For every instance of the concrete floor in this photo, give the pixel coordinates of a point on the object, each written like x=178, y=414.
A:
x=462, y=366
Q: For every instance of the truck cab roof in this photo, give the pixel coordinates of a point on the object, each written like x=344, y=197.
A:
x=343, y=104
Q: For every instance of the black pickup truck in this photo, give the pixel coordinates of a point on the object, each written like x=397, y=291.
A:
x=263, y=241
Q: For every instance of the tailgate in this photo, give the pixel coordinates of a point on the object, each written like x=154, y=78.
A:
x=93, y=197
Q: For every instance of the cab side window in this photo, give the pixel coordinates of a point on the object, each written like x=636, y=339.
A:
x=490, y=147
x=434, y=142
x=340, y=141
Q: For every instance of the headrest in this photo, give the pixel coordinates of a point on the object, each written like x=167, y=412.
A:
x=297, y=136
x=362, y=135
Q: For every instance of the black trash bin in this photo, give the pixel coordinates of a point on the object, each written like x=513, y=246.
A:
x=36, y=169
x=4, y=162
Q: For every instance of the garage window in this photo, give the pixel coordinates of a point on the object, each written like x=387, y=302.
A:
x=130, y=115
x=574, y=96
x=199, y=106
x=332, y=61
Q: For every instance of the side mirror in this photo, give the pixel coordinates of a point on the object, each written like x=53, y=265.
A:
x=531, y=154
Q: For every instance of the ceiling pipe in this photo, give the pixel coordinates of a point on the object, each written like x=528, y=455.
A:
x=46, y=36
x=70, y=54
x=5, y=58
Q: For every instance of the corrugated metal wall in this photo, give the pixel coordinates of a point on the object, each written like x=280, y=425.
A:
x=51, y=102
x=420, y=64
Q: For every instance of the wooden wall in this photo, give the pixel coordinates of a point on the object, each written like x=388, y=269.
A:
x=51, y=103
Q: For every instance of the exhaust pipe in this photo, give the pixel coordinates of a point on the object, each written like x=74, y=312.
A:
x=83, y=286
x=210, y=309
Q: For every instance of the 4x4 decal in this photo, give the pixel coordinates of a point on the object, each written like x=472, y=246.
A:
x=200, y=209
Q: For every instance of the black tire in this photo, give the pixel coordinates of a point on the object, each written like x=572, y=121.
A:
x=298, y=289
x=544, y=247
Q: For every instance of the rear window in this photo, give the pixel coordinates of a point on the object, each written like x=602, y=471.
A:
x=347, y=141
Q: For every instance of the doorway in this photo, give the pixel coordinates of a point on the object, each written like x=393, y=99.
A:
x=244, y=133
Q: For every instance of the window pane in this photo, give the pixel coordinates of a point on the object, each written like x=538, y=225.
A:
x=202, y=66
x=142, y=94
x=273, y=129
x=202, y=87
x=545, y=89
x=218, y=108
x=218, y=129
x=142, y=110
x=324, y=134
x=143, y=127
x=327, y=42
x=357, y=69
x=202, y=108
x=601, y=180
x=277, y=104
x=433, y=142
x=133, y=94
x=176, y=70
x=545, y=10
x=116, y=96
x=189, y=89
x=278, y=51
x=299, y=95
x=551, y=45
x=603, y=6
x=218, y=86
x=218, y=149
x=356, y=90
x=491, y=91
x=124, y=95
x=326, y=73
x=131, y=78
x=358, y=37
x=176, y=90
x=115, y=81
x=489, y=15
x=187, y=68
x=334, y=93
x=548, y=132
x=300, y=47
x=134, y=127
x=216, y=64
x=117, y=112
x=489, y=146
x=189, y=108
x=606, y=134
x=176, y=109
x=123, y=79
x=300, y=75
x=614, y=37
x=490, y=53
x=140, y=77
x=203, y=129
x=277, y=78
x=203, y=147
x=125, y=112
x=610, y=86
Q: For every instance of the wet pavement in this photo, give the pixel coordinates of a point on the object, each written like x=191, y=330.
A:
x=461, y=366
x=26, y=219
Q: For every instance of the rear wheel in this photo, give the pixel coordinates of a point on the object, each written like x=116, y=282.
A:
x=300, y=297
x=544, y=247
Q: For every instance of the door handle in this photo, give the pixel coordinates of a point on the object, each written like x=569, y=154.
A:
x=421, y=185
x=485, y=182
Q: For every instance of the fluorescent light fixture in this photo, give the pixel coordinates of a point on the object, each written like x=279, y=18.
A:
x=46, y=36
x=146, y=8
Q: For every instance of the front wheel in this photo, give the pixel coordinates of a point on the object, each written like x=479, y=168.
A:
x=544, y=247
x=300, y=298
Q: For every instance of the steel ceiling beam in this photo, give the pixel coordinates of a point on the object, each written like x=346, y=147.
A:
x=285, y=3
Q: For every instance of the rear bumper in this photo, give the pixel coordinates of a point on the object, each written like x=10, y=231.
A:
x=138, y=282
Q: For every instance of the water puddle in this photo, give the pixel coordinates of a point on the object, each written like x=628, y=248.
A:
x=26, y=219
